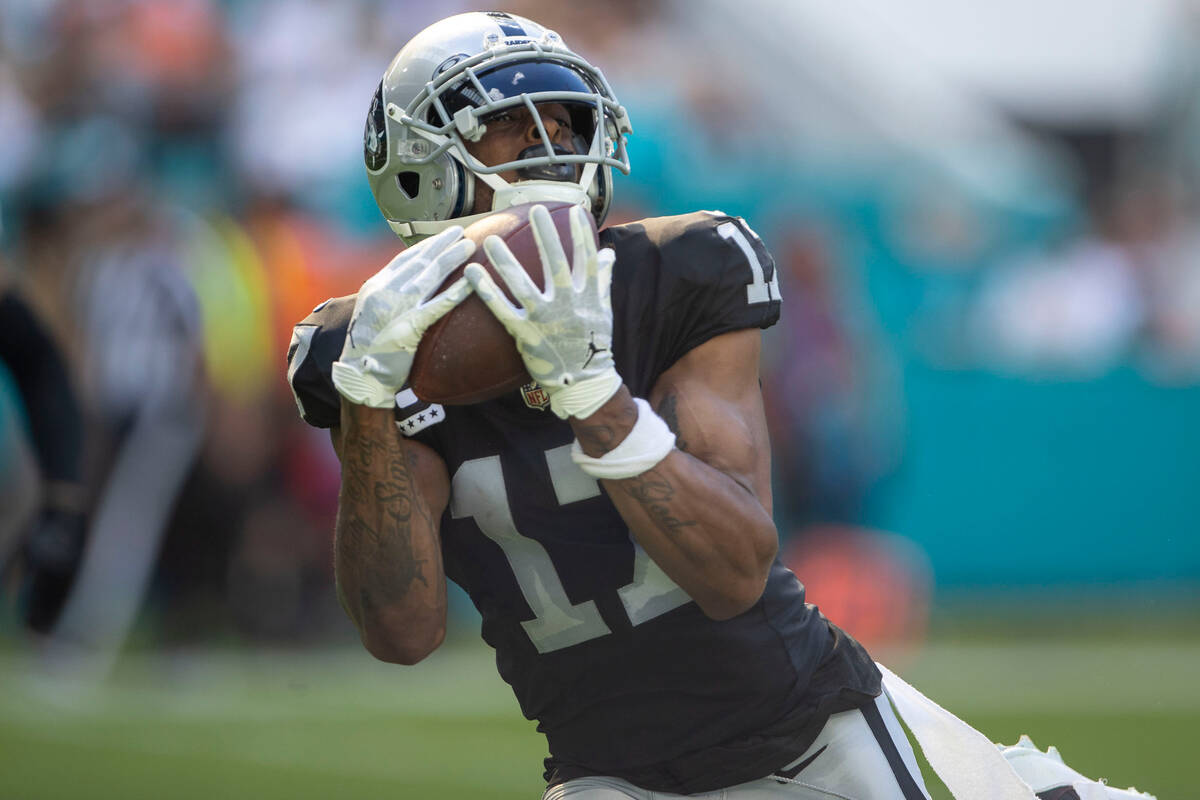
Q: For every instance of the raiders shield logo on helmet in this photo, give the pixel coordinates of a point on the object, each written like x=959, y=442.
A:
x=375, y=134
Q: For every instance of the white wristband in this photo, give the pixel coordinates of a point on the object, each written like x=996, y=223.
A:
x=647, y=444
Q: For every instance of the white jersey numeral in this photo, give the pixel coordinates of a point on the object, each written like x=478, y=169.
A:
x=651, y=593
x=478, y=491
x=759, y=290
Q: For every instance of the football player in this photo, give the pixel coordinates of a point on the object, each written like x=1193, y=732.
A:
x=43, y=518
x=612, y=523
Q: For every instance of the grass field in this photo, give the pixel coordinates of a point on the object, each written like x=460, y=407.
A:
x=209, y=724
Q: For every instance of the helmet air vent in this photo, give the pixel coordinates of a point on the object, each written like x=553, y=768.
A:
x=410, y=184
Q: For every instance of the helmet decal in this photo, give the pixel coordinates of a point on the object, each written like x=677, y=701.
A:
x=375, y=134
x=507, y=24
x=448, y=63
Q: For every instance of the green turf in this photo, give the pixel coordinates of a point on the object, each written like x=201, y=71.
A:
x=213, y=725
x=411, y=756
x=337, y=725
x=1149, y=751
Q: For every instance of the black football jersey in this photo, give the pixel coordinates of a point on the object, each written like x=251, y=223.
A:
x=623, y=672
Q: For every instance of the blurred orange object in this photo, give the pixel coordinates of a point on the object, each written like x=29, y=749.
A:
x=178, y=41
x=874, y=585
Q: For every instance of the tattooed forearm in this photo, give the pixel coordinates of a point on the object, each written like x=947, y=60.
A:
x=604, y=431
x=387, y=550
x=394, y=495
x=374, y=530
x=655, y=494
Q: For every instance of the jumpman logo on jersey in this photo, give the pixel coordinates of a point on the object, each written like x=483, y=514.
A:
x=592, y=349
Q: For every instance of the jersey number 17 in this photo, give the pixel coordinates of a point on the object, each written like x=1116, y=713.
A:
x=479, y=492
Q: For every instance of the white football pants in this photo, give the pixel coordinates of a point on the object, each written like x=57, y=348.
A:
x=859, y=755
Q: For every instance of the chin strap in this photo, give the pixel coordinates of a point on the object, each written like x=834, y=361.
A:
x=514, y=194
x=506, y=195
x=413, y=232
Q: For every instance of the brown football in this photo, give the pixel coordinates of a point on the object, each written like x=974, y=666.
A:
x=467, y=356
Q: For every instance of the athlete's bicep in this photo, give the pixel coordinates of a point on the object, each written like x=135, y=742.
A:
x=712, y=401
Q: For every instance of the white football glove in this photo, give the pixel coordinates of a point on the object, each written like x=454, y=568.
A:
x=564, y=333
x=393, y=310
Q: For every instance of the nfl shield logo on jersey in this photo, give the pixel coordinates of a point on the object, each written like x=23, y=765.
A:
x=535, y=396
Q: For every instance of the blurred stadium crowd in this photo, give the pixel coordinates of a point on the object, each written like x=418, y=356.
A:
x=181, y=181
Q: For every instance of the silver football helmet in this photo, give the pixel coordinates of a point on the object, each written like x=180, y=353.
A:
x=439, y=92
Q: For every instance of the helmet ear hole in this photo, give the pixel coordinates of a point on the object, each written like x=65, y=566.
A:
x=409, y=183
